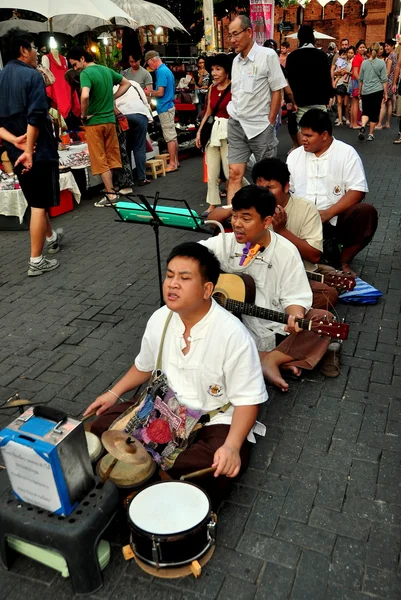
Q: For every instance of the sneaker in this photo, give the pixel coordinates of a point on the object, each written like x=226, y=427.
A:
x=106, y=202
x=53, y=247
x=370, y=137
x=330, y=363
x=361, y=134
x=43, y=266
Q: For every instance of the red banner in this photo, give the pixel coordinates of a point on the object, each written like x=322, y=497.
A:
x=262, y=17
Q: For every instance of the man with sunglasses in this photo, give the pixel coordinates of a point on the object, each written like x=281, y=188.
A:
x=257, y=81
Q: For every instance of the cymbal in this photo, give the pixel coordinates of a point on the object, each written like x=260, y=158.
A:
x=125, y=448
x=14, y=402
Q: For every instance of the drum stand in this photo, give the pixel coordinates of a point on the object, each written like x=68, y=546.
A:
x=157, y=221
x=194, y=568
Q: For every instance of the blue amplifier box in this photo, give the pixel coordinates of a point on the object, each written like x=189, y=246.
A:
x=47, y=459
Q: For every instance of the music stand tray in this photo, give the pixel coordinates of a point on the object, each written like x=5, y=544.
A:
x=138, y=209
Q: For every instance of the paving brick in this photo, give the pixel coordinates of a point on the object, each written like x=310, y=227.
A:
x=270, y=549
x=319, y=435
x=299, y=501
x=339, y=593
x=324, y=460
x=312, y=577
x=331, y=491
x=262, y=454
x=388, y=493
x=305, y=536
x=240, y=566
x=374, y=510
x=276, y=583
x=146, y=590
x=348, y=563
x=385, y=584
x=342, y=524
x=342, y=406
x=375, y=419
x=383, y=549
x=269, y=482
x=359, y=451
x=231, y=524
x=233, y=589
x=265, y=513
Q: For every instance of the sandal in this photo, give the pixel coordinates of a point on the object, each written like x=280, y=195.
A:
x=397, y=141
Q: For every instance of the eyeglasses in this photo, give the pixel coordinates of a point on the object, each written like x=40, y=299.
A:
x=232, y=36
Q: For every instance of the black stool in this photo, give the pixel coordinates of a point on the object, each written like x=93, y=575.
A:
x=75, y=537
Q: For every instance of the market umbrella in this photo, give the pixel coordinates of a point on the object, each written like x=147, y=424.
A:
x=318, y=36
x=101, y=10
x=147, y=13
x=68, y=24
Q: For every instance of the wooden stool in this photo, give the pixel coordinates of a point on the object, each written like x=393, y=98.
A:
x=155, y=167
x=164, y=157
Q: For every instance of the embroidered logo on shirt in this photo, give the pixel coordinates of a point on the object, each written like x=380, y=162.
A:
x=337, y=190
x=215, y=390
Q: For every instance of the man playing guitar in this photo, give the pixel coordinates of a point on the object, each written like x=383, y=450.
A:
x=281, y=284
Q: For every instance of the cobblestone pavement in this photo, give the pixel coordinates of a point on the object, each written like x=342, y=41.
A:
x=318, y=514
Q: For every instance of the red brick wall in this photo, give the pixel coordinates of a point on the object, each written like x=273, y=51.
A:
x=372, y=26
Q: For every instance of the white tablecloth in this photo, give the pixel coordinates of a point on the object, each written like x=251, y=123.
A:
x=13, y=203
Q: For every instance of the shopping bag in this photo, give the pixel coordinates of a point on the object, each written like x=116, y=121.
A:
x=363, y=293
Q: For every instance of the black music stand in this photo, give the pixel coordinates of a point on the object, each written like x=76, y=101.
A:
x=156, y=221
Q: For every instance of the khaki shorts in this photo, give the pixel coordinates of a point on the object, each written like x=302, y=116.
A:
x=304, y=109
x=103, y=146
x=168, y=125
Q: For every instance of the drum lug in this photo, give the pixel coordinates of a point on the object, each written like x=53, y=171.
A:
x=211, y=531
x=156, y=552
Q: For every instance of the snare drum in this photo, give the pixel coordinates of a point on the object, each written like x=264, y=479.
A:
x=171, y=523
x=95, y=447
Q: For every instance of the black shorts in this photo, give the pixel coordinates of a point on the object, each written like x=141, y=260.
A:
x=371, y=105
x=40, y=185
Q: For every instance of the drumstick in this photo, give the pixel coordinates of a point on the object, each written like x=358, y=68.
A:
x=109, y=470
x=200, y=473
x=91, y=414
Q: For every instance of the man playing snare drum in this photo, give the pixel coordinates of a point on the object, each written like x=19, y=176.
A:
x=212, y=370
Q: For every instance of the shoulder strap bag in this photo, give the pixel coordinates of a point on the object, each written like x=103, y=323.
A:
x=207, y=127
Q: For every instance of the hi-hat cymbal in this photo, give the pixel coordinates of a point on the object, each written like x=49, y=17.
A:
x=14, y=402
x=125, y=448
x=126, y=475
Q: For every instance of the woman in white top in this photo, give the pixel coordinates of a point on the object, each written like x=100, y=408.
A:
x=134, y=105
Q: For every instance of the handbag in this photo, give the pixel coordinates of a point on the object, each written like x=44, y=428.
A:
x=163, y=425
x=207, y=126
x=47, y=75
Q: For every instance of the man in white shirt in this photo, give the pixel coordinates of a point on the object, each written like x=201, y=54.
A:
x=256, y=84
x=209, y=359
x=330, y=174
x=281, y=285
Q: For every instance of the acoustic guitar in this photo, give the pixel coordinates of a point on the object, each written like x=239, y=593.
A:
x=336, y=279
x=236, y=293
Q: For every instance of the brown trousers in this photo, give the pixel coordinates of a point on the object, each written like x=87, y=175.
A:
x=306, y=348
x=324, y=296
x=198, y=456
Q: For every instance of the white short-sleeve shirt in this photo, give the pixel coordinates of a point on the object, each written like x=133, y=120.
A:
x=279, y=276
x=253, y=79
x=222, y=364
x=324, y=179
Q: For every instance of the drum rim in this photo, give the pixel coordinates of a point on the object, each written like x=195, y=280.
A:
x=209, y=544
x=163, y=537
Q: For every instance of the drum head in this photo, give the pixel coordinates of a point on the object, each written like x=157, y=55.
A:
x=169, y=507
x=94, y=446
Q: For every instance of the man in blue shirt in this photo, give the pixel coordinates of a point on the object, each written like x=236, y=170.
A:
x=164, y=92
x=26, y=129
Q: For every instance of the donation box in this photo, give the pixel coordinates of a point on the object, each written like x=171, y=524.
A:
x=47, y=460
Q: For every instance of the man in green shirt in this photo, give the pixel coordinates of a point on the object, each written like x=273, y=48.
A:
x=97, y=113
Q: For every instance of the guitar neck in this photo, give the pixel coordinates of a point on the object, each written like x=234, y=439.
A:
x=262, y=313
x=315, y=276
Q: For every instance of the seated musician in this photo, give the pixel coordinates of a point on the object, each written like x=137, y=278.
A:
x=210, y=362
x=281, y=285
x=330, y=174
x=297, y=220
